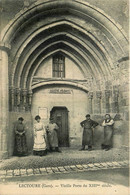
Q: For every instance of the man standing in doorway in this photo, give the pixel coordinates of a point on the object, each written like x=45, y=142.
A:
x=87, y=138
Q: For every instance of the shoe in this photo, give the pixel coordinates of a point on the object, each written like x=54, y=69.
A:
x=81, y=149
x=90, y=149
x=57, y=150
x=51, y=150
x=107, y=149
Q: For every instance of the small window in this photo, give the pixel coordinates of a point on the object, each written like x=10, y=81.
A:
x=59, y=66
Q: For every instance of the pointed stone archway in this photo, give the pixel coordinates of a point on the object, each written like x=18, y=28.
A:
x=79, y=30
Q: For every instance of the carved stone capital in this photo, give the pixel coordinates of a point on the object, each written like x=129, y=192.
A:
x=24, y=92
x=107, y=93
x=90, y=95
x=30, y=93
x=18, y=91
x=116, y=93
x=98, y=94
x=12, y=90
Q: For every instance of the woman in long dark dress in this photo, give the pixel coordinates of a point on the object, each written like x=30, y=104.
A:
x=20, y=146
x=108, y=132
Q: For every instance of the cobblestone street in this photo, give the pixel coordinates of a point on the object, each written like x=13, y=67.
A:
x=68, y=161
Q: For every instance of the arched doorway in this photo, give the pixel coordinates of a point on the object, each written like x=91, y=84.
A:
x=84, y=34
x=60, y=115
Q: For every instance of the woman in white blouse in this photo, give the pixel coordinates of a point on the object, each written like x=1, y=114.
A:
x=39, y=147
x=108, y=132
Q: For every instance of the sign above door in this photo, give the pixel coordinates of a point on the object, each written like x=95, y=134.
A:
x=61, y=91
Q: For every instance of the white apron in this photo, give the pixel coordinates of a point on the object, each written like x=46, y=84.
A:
x=39, y=137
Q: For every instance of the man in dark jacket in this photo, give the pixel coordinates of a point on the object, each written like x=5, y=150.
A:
x=87, y=138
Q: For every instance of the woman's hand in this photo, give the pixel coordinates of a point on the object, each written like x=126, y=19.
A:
x=20, y=133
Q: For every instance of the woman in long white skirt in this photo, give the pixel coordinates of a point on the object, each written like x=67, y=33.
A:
x=39, y=147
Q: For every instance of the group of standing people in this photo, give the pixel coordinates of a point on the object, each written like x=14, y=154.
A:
x=46, y=138
x=88, y=126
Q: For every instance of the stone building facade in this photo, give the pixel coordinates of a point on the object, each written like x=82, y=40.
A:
x=66, y=59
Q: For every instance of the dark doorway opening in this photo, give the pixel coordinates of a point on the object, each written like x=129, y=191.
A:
x=60, y=115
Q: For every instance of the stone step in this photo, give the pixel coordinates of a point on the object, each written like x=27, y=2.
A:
x=17, y=172
x=80, y=167
x=98, y=165
x=55, y=169
x=67, y=168
x=2, y=173
x=30, y=172
x=9, y=173
x=90, y=165
x=85, y=166
x=23, y=172
x=116, y=164
x=49, y=170
x=61, y=169
x=43, y=171
x=36, y=171
x=73, y=167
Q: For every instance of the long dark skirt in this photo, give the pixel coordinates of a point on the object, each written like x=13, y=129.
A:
x=40, y=153
x=20, y=147
x=53, y=139
x=108, y=135
x=87, y=138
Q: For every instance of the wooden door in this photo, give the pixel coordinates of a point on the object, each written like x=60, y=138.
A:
x=60, y=116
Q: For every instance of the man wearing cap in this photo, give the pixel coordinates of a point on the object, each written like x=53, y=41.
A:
x=87, y=138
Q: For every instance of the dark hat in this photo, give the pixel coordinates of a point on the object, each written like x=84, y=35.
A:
x=37, y=117
x=20, y=119
x=108, y=115
x=88, y=115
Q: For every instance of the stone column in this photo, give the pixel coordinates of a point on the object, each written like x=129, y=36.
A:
x=115, y=98
x=107, y=101
x=18, y=98
x=30, y=94
x=90, y=98
x=11, y=99
x=24, y=99
x=15, y=100
x=4, y=99
x=98, y=102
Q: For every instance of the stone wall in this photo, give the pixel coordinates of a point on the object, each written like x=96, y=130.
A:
x=117, y=9
x=72, y=70
x=76, y=103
